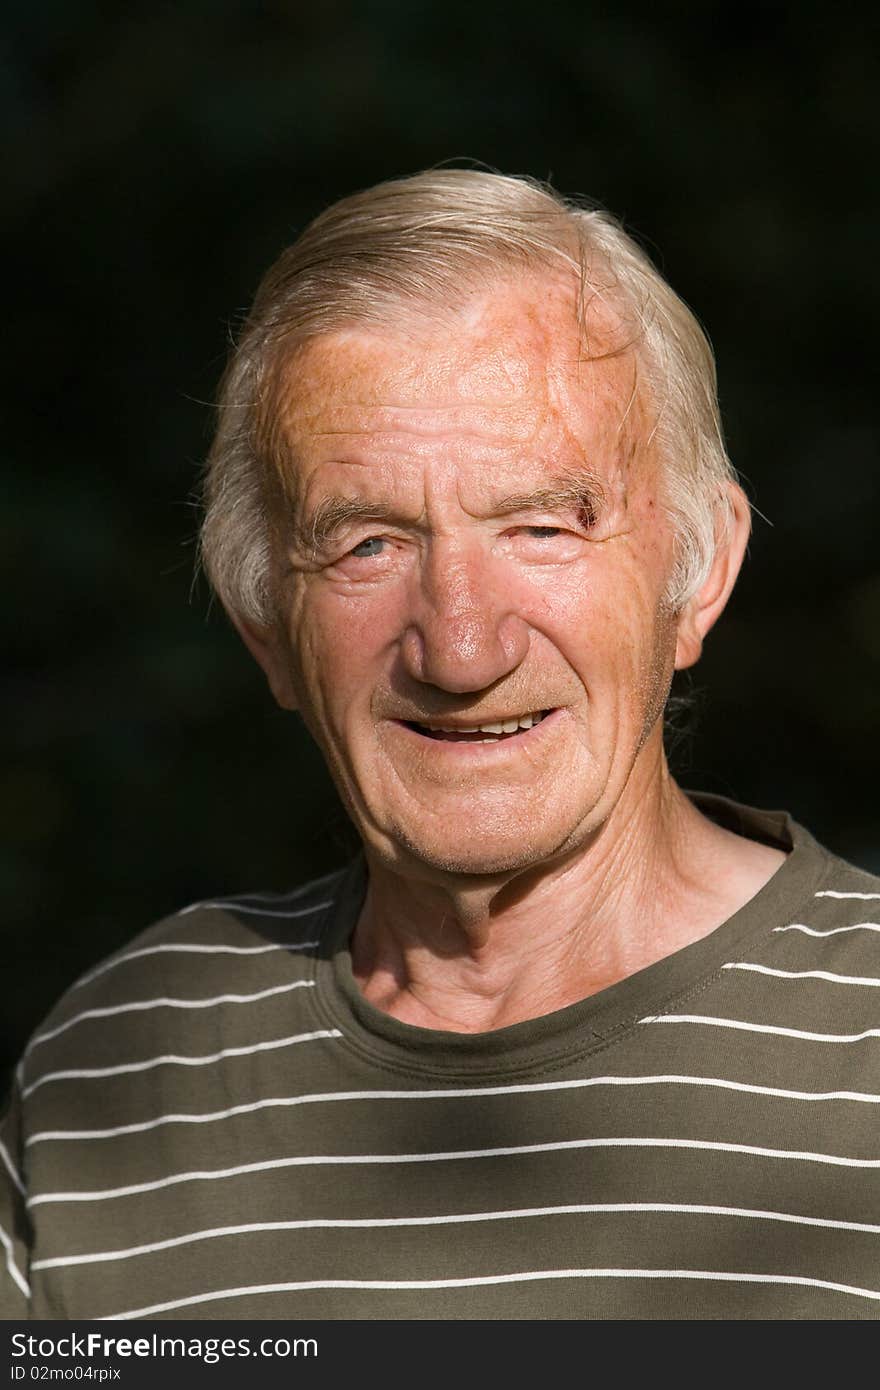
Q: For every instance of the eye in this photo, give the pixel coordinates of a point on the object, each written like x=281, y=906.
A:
x=543, y=533
x=368, y=548
x=545, y=544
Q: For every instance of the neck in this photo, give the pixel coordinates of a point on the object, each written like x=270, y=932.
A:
x=472, y=954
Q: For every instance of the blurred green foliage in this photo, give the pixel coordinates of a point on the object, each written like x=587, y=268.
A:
x=157, y=158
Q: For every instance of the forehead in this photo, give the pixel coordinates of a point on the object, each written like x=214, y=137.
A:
x=510, y=379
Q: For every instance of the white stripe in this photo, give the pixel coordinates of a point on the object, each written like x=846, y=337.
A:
x=257, y=911
x=464, y=1218
x=471, y=1092
x=164, y=1003
x=11, y=1168
x=830, y=893
x=454, y=1155
x=12, y=1266
x=172, y=1059
x=764, y=1028
x=832, y=931
x=311, y=887
x=802, y=974
x=196, y=950
x=483, y=1280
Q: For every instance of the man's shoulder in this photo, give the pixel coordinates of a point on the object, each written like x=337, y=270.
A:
x=218, y=923
x=845, y=888
x=216, y=933
x=170, y=983
x=849, y=882
x=833, y=922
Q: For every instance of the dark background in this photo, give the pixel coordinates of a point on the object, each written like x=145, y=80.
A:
x=158, y=157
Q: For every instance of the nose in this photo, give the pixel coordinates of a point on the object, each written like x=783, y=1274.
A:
x=463, y=635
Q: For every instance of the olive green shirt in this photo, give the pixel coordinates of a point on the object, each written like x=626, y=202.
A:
x=215, y=1124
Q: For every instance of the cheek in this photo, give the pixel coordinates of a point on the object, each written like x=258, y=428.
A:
x=342, y=641
x=600, y=606
x=610, y=625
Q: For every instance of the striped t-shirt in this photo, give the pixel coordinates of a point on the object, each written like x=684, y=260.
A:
x=215, y=1124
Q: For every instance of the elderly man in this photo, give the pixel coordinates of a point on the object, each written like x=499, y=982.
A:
x=564, y=1042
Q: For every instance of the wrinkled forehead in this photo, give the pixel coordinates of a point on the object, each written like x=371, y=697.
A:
x=522, y=367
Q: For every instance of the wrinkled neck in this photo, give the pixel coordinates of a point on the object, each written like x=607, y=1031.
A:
x=471, y=954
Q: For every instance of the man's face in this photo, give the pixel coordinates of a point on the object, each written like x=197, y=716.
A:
x=471, y=601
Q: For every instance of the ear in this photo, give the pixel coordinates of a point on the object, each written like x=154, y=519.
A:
x=703, y=609
x=268, y=648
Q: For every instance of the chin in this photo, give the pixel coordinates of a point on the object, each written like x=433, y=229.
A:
x=475, y=856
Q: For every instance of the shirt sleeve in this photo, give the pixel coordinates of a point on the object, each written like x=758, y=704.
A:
x=15, y=1235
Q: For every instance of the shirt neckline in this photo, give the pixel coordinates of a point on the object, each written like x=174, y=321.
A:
x=588, y=1026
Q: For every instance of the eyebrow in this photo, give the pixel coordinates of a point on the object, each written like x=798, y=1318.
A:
x=581, y=494
x=331, y=515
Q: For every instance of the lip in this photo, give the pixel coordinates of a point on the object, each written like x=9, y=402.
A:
x=464, y=748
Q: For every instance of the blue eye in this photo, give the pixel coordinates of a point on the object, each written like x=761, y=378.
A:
x=368, y=548
x=543, y=533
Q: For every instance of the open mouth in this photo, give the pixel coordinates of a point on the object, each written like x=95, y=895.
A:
x=494, y=732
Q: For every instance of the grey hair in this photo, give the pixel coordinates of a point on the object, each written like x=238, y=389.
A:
x=425, y=243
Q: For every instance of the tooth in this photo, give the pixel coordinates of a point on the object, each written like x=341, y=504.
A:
x=504, y=726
